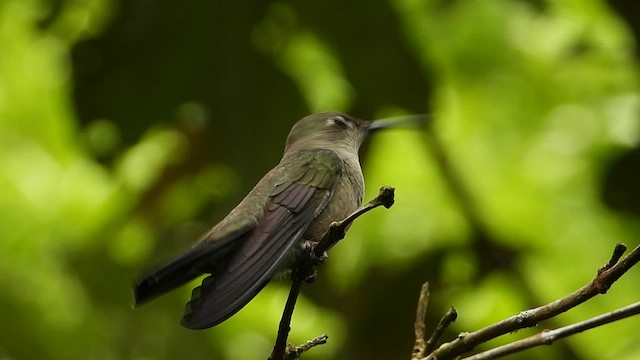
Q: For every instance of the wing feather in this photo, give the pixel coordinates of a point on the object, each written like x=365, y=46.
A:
x=185, y=267
x=293, y=205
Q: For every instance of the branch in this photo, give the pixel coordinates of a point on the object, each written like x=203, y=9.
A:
x=420, y=346
x=279, y=348
x=306, y=271
x=338, y=229
x=605, y=277
x=295, y=352
x=450, y=316
x=547, y=337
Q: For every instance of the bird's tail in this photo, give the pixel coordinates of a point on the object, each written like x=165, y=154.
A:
x=170, y=276
x=186, y=267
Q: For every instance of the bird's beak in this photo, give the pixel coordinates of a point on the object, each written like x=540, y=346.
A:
x=405, y=121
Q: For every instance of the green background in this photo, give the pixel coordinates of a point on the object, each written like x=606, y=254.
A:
x=127, y=128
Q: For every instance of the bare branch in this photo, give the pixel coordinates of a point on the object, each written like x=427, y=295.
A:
x=338, y=229
x=419, y=348
x=606, y=276
x=547, y=337
x=618, y=251
x=279, y=348
x=306, y=271
x=450, y=316
x=295, y=352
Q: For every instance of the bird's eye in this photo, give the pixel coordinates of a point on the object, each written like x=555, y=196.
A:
x=340, y=121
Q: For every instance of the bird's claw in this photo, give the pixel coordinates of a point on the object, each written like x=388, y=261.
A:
x=319, y=260
x=308, y=247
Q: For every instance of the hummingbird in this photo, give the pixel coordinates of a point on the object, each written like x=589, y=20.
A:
x=318, y=180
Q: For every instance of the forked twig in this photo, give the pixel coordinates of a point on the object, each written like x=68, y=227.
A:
x=420, y=345
x=606, y=276
x=305, y=271
x=547, y=337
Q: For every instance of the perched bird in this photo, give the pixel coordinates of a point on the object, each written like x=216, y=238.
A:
x=318, y=180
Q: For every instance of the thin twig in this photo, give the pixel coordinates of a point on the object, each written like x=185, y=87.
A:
x=450, y=316
x=337, y=229
x=279, y=348
x=336, y=232
x=547, y=337
x=618, y=251
x=295, y=353
x=420, y=345
x=606, y=276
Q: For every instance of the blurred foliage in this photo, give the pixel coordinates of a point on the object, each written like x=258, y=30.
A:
x=128, y=128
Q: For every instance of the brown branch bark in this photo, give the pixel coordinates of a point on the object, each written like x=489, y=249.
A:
x=280, y=347
x=420, y=345
x=605, y=277
x=306, y=271
x=450, y=316
x=547, y=337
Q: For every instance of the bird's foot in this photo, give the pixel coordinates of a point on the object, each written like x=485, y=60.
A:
x=309, y=247
x=318, y=260
x=309, y=273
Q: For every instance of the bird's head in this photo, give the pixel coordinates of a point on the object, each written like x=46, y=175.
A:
x=340, y=132
x=327, y=130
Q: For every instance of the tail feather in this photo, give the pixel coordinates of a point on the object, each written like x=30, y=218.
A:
x=161, y=281
x=195, y=262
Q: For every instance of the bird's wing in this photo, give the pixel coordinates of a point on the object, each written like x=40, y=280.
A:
x=292, y=205
x=186, y=267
